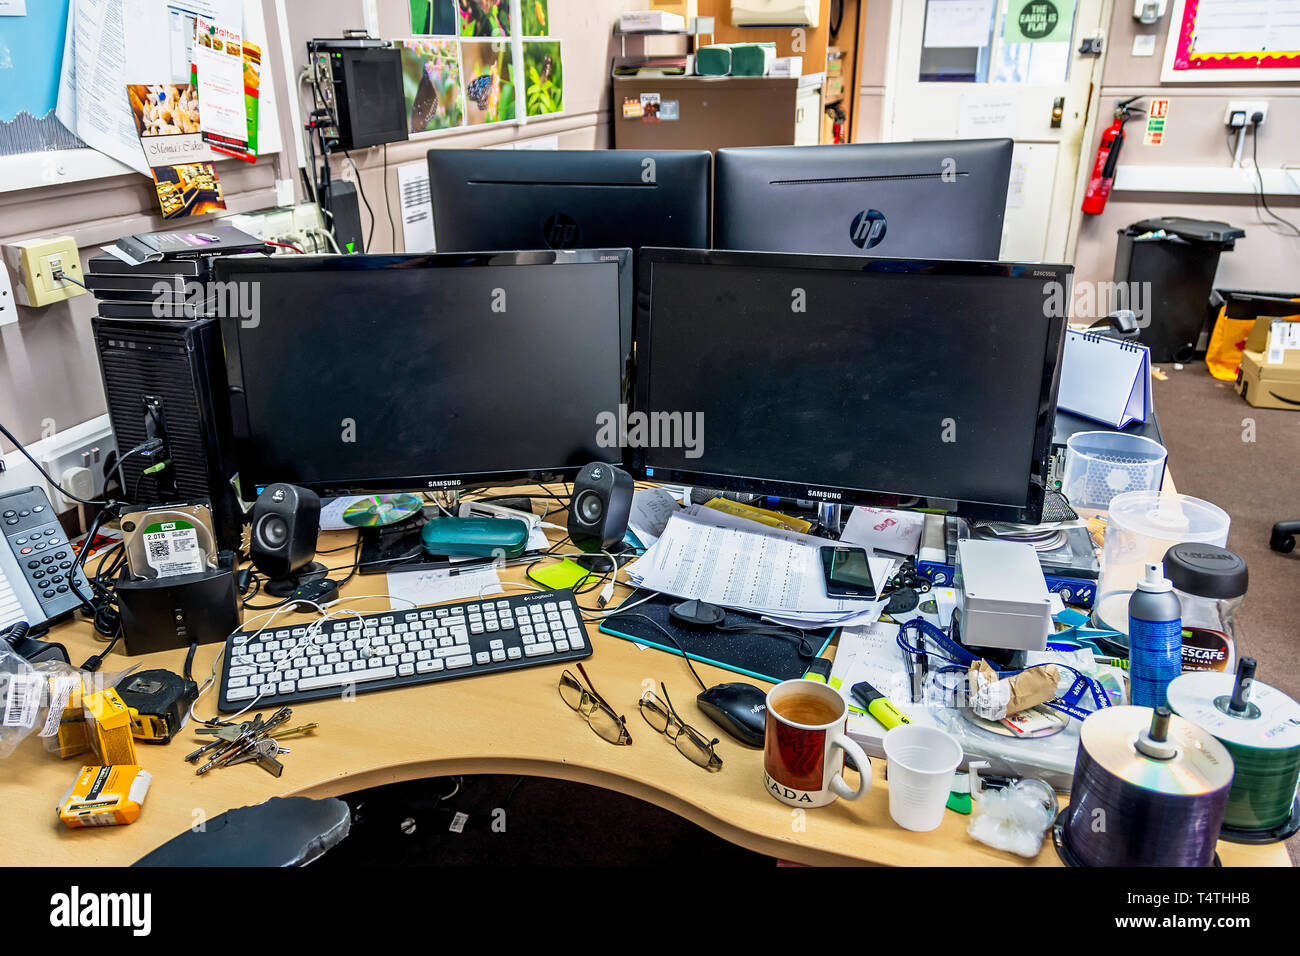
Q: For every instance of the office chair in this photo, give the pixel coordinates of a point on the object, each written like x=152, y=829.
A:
x=1283, y=537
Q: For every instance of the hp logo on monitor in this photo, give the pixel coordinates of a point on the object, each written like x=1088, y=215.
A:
x=561, y=232
x=868, y=228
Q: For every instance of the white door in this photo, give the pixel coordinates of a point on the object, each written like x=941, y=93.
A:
x=967, y=69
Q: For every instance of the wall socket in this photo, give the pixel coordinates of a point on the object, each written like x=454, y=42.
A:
x=38, y=261
x=1249, y=107
x=8, y=305
x=89, y=445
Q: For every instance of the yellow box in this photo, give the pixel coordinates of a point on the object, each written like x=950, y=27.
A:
x=109, y=721
x=105, y=796
x=73, y=738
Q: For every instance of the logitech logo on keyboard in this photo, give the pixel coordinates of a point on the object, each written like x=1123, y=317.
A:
x=76, y=909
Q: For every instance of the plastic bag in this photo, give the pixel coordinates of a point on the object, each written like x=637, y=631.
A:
x=20, y=694
x=47, y=698
x=1015, y=817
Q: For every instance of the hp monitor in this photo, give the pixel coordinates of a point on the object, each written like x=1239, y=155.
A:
x=905, y=383
x=930, y=200
x=387, y=373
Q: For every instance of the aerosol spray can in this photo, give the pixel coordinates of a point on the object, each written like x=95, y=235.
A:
x=1155, y=633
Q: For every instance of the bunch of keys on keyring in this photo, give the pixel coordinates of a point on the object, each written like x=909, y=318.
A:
x=252, y=741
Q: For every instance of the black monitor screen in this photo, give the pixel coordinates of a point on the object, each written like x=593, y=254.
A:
x=821, y=380
x=390, y=372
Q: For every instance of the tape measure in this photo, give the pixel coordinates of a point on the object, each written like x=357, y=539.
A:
x=158, y=701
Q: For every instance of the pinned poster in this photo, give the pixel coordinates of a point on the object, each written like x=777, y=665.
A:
x=485, y=18
x=436, y=17
x=489, y=81
x=219, y=72
x=543, y=77
x=536, y=15
x=431, y=82
x=168, y=121
x=1040, y=21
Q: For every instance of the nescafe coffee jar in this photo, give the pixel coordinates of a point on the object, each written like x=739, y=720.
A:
x=1210, y=583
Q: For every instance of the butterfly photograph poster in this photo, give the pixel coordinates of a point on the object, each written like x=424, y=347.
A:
x=485, y=18
x=459, y=69
x=543, y=77
x=437, y=17
x=489, y=81
x=431, y=81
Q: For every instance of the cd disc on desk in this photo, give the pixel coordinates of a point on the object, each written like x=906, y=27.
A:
x=380, y=510
x=1200, y=766
x=1264, y=740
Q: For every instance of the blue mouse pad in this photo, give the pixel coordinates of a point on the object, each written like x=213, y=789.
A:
x=768, y=658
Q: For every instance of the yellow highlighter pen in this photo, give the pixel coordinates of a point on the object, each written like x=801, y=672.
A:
x=879, y=706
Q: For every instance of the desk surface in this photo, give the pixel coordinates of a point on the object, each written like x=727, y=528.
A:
x=512, y=722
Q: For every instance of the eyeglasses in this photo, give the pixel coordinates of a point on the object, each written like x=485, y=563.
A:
x=600, y=716
x=693, y=745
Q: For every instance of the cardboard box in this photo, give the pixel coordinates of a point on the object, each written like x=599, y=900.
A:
x=105, y=796
x=1269, y=376
x=1268, y=386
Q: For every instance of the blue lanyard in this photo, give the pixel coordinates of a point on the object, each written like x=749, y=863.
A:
x=960, y=659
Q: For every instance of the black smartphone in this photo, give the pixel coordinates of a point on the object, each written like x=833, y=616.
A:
x=847, y=572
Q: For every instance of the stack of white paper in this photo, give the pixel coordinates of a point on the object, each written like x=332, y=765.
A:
x=737, y=563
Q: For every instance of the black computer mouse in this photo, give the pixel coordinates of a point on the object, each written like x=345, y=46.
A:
x=738, y=708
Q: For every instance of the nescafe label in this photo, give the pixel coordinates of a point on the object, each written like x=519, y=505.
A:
x=1206, y=650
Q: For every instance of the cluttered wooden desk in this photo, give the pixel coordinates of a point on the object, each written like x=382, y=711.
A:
x=512, y=722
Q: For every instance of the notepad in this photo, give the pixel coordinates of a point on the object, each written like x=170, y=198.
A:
x=1105, y=379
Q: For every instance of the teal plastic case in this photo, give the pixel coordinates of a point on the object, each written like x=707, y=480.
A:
x=474, y=537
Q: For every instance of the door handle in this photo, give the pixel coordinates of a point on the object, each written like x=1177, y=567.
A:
x=1058, y=111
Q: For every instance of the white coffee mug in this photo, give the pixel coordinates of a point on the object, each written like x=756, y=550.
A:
x=806, y=740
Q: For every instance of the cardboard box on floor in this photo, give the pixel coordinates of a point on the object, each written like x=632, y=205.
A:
x=1264, y=383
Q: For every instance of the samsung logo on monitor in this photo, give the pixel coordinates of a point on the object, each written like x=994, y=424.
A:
x=828, y=495
x=445, y=483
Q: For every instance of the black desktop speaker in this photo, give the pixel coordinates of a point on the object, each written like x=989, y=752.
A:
x=286, y=520
x=166, y=378
x=598, y=512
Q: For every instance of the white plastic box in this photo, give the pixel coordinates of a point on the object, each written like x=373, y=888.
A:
x=1002, y=596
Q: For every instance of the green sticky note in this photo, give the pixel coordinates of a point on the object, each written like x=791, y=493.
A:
x=565, y=574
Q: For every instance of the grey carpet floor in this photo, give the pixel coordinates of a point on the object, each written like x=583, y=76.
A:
x=1206, y=426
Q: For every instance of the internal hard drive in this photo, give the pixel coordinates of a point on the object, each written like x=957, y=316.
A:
x=169, y=540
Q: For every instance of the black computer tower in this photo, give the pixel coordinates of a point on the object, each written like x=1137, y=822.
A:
x=172, y=371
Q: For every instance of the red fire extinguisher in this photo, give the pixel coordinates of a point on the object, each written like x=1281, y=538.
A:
x=1103, y=168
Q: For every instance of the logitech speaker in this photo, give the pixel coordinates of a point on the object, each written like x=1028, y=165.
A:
x=286, y=521
x=598, y=512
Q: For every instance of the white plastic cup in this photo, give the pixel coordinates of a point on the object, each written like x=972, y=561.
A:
x=921, y=765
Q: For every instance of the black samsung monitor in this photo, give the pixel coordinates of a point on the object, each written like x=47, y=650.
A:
x=401, y=372
x=487, y=199
x=930, y=200
x=846, y=379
